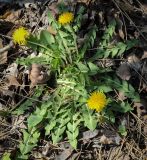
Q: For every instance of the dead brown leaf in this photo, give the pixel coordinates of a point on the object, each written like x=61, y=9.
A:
x=37, y=75
x=37, y=155
x=120, y=27
x=46, y=149
x=9, y=79
x=90, y=134
x=12, y=16
x=124, y=71
x=121, y=96
x=142, y=113
x=4, y=90
x=3, y=55
x=11, y=75
x=110, y=137
x=1, y=45
x=74, y=156
x=117, y=153
x=12, y=81
x=19, y=122
x=141, y=107
x=144, y=55
x=145, y=126
x=64, y=155
x=84, y=1
x=52, y=30
x=66, y=152
x=53, y=8
x=5, y=15
x=121, y=33
x=105, y=140
x=12, y=70
x=144, y=7
x=132, y=58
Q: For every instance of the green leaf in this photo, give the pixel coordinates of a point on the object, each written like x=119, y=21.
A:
x=109, y=115
x=63, y=34
x=122, y=107
x=72, y=133
x=46, y=38
x=62, y=7
x=53, y=22
x=89, y=119
x=29, y=141
x=125, y=107
x=34, y=138
x=106, y=53
x=38, y=115
x=111, y=27
x=50, y=17
x=114, y=51
x=24, y=106
x=6, y=156
x=57, y=135
x=34, y=39
x=89, y=40
x=122, y=130
x=131, y=43
x=82, y=67
x=26, y=136
x=105, y=88
x=73, y=143
x=129, y=91
x=26, y=148
x=93, y=68
x=49, y=127
x=33, y=120
x=108, y=33
x=122, y=48
x=68, y=28
x=63, y=119
x=73, y=130
x=78, y=18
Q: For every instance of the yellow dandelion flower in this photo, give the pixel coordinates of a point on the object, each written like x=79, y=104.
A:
x=97, y=101
x=19, y=36
x=65, y=18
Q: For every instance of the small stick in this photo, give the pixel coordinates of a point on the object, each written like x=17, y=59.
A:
x=6, y=47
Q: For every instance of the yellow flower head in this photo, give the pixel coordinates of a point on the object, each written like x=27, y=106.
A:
x=97, y=101
x=19, y=36
x=65, y=18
